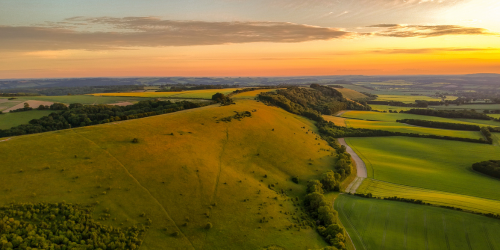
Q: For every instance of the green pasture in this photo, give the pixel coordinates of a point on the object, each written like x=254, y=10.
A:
x=188, y=169
x=409, y=98
x=196, y=94
x=433, y=164
x=381, y=224
x=387, y=108
x=477, y=107
x=9, y=120
x=68, y=99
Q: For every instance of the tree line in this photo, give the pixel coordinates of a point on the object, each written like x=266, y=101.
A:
x=465, y=114
x=491, y=167
x=443, y=125
x=78, y=115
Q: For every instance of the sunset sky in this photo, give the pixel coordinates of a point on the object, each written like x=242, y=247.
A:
x=94, y=38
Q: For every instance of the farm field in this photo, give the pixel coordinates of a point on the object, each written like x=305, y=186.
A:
x=351, y=94
x=339, y=121
x=477, y=107
x=381, y=224
x=251, y=94
x=494, y=115
x=195, y=94
x=428, y=163
x=187, y=170
x=83, y=99
x=392, y=117
x=404, y=128
x=386, y=189
x=9, y=120
x=409, y=98
x=387, y=108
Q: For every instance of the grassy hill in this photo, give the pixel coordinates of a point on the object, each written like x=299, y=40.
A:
x=351, y=94
x=188, y=169
x=379, y=224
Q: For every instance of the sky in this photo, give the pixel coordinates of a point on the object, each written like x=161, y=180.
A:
x=131, y=38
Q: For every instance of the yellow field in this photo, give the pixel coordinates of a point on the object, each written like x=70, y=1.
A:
x=410, y=98
x=251, y=94
x=185, y=166
x=351, y=94
x=196, y=94
x=404, y=128
x=386, y=189
x=339, y=121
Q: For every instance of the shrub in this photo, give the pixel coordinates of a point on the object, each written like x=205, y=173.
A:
x=208, y=226
x=135, y=140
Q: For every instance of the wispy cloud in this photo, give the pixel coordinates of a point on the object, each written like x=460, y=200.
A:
x=401, y=30
x=431, y=50
x=107, y=33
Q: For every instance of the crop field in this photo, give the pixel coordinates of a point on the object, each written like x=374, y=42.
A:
x=351, y=94
x=251, y=94
x=386, y=189
x=477, y=107
x=9, y=120
x=494, y=115
x=195, y=94
x=404, y=128
x=428, y=163
x=387, y=108
x=83, y=99
x=381, y=224
x=409, y=98
x=188, y=169
x=392, y=117
x=339, y=121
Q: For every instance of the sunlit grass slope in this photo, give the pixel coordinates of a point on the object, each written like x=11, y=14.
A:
x=201, y=94
x=9, y=120
x=404, y=128
x=381, y=224
x=386, y=189
x=339, y=121
x=186, y=166
x=429, y=163
x=251, y=94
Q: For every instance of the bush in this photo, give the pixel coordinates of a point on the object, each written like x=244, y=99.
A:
x=208, y=226
x=295, y=179
x=135, y=140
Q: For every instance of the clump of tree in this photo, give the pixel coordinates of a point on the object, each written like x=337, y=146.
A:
x=491, y=167
x=78, y=115
x=25, y=108
x=238, y=116
x=465, y=114
x=222, y=99
x=61, y=226
x=487, y=134
x=443, y=125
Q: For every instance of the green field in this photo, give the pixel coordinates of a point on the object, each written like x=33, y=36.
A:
x=429, y=163
x=196, y=94
x=68, y=99
x=379, y=224
x=387, y=108
x=404, y=128
x=477, y=107
x=409, y=98
x=9, y=120
x=352, y=94
x=186, y=166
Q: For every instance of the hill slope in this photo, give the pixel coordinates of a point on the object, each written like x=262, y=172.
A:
x=187, y=170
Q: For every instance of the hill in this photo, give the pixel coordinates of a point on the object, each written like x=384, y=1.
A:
x=188, y=169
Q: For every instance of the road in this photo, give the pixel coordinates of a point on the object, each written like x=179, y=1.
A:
x=360, y=167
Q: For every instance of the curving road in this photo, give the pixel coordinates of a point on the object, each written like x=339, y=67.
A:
x=360, y=167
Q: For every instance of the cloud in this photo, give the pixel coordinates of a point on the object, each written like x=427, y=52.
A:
x=108, y=33
x=401, y=30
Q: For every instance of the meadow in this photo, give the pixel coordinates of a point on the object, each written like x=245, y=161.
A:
x=188, y=169
x=387, y=108
x=385, y=189
x=195, y=94
x=428, y=163
x=83, y=99
x=351, y=94
x=477, y=107
x=9, y=120
x=381, y=224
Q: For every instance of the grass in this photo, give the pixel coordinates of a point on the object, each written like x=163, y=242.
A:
x=204, y=167
x=386, y=189
x=387, y=108
x=9, y=120
x=339, y=121
x=409, y=98
x=429, y=163
x=68, y=99
x=351, y=94
x=195, y=94
x=477, y=107
x=251, y=94
x=380, y=224
x=404, y=128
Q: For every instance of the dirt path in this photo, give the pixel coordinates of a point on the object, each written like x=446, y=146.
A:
x=340, y=113
x=360, y=167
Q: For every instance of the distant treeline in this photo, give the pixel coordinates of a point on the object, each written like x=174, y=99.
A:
x=443, y=125
x=465, y=114
x=184, y=87
x=59, y=91
x=491, y=167
x=78, y=115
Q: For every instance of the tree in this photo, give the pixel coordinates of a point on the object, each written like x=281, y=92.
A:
x=218, y=97
x=26, y=105
x=315, y=186
x=329, y=181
